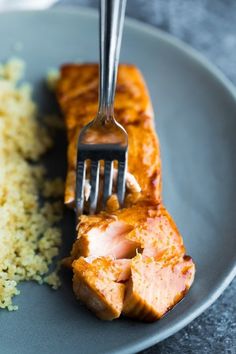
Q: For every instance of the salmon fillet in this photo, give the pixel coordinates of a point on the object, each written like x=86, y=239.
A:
x=130, y=261
x=77, y=93
x=156, y=285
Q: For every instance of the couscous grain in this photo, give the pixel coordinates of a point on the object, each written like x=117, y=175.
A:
x=29, y=239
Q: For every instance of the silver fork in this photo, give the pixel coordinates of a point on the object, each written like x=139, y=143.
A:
x=104, y=138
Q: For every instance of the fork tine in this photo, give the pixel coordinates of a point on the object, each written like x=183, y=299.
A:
x=122, y=167
x=94, y=186
x=108, y=173
x=80, y=180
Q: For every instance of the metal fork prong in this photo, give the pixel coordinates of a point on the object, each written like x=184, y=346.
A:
x=122, y=167
x=79, y=193
x=108, y=179
x=94, y=176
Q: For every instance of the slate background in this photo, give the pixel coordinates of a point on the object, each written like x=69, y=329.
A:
x=210, y=27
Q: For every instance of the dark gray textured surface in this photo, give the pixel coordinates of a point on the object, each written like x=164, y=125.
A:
x=210, y=27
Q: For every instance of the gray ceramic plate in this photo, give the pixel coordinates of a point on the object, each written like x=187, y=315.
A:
x=196, y=120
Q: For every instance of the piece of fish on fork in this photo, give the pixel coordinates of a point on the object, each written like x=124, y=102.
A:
x=104, y=139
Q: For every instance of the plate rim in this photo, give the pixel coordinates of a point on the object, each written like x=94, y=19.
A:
x=226, y=84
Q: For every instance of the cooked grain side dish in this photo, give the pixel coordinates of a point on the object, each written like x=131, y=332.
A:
x=130, y=261
x=29, y=239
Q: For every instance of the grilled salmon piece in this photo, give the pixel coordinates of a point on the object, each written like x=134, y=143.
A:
x=97, y=282
x=130, y=260
x=77, y=93
x=149, y=228
x=144, y=288
x=78, y=83
x=156, y=285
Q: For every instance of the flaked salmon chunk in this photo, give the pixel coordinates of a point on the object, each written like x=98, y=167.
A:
x=143, y=288
x=126, y=231
x=98, y=283
x=156, y=285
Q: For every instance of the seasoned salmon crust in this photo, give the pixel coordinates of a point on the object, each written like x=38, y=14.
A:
x=128, y=261
x=77, y=93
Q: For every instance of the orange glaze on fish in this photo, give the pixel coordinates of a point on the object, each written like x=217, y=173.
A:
x=77, y=92
x=129, y=261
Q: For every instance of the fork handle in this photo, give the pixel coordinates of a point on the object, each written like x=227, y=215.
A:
x=112, y=14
